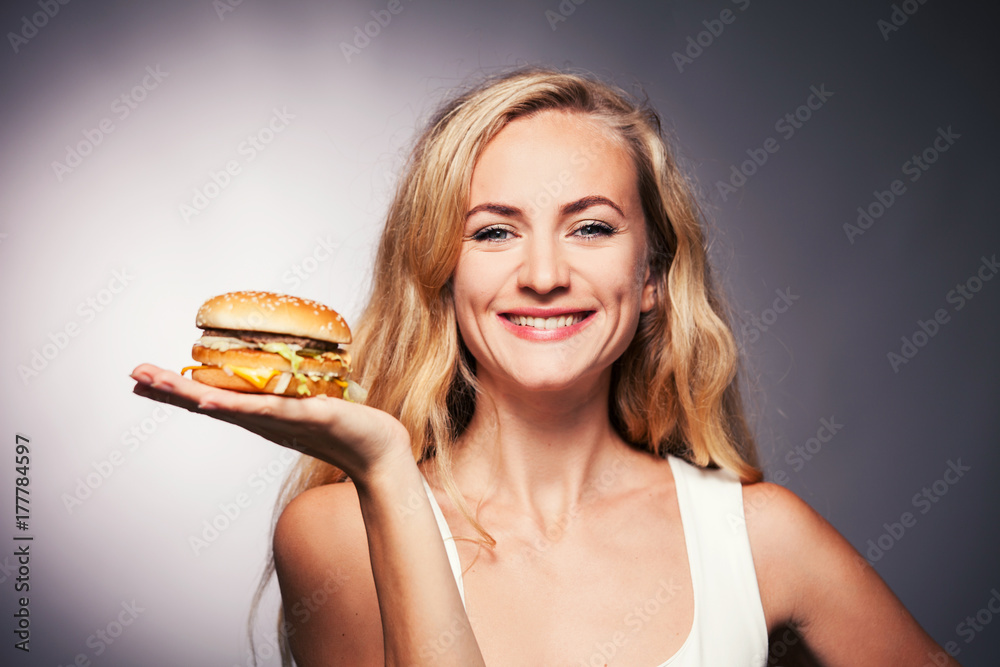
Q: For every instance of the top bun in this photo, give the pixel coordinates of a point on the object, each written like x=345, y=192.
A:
x=273, y=313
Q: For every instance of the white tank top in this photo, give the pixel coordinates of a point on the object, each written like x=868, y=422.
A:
x=729, y=627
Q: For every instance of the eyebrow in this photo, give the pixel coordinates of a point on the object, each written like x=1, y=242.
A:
x=587, y=202
x=582, y=204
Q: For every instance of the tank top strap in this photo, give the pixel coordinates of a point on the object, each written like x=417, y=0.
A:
x=449, y=540
x=729, y=626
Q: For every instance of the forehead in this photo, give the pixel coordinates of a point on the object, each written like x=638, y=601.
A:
x=555, y=156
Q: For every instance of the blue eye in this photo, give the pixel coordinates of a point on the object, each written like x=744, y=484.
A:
x=595, y=229
x=492, y=234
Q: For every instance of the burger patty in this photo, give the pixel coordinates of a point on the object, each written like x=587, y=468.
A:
x=261, y=337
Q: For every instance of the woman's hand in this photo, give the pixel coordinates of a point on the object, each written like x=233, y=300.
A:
x=358, y=439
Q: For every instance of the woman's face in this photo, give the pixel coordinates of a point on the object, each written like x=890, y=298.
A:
x=553, y=273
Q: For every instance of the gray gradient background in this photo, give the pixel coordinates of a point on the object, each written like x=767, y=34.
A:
x=328, y=175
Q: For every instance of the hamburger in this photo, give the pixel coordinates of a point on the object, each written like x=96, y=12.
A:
x=267, y=343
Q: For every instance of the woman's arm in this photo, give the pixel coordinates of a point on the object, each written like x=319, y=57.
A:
x=319, y=539
x=423, y=618
x=812, y=578
x=334, y=581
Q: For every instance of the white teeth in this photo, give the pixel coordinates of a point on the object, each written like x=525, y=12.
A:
x=546, y=323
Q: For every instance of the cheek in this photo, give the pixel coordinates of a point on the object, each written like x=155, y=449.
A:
x=462, y=278
x=463, y=307
x=627, y=285
x=481, y=276
x=469, y=287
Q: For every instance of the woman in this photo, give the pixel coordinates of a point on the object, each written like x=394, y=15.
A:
x=552, y=391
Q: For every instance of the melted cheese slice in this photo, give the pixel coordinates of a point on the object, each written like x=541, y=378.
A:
x=258, y=377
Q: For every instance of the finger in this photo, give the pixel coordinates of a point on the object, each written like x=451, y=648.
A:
x=147, y=391
x=143, y=373
x=179, y=401
x=280, y=419
x=172, y=383
x=168, y=387
x=280, y=437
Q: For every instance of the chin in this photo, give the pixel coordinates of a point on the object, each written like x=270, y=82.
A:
x=577, y=366
x=540, y=380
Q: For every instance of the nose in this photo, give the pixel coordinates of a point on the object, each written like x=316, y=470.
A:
x=544, y=267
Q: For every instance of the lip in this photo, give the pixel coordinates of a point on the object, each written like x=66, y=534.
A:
x=531, y=333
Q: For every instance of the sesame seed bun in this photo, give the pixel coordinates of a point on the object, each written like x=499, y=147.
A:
x=273, y=313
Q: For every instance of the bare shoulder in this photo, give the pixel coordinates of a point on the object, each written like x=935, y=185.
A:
x=782, y=526
x=810, y=577
x=784, y=534
x=315, y=518
x=324, y=571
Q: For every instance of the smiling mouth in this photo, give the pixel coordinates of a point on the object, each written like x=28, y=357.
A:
x=560, y=322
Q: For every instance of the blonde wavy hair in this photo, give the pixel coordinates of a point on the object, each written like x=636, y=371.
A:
x=675, y=389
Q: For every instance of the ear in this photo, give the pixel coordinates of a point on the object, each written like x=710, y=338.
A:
x=648, y=300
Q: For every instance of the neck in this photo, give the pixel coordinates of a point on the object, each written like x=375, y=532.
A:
x=543, y=452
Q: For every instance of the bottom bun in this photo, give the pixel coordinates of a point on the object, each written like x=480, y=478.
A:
x=216, y=377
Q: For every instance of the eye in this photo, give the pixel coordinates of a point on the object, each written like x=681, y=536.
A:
x=493, y=234
x=595, y=229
